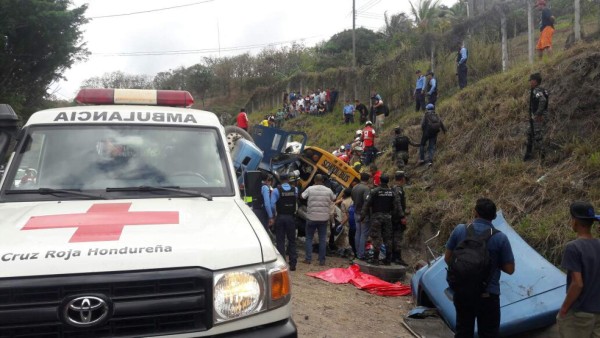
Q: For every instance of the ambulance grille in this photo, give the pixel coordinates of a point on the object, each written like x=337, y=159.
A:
x=142, y=303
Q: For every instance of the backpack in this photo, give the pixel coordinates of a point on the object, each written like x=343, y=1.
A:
x=386, y=110
x=470, y=267
x=434, y=123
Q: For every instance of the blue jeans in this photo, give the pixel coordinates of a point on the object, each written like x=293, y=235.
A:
x=321, y=227
x=362, y=233
x=431, y=142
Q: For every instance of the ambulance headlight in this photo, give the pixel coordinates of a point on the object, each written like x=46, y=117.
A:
x=245, y=292
x=238, y=294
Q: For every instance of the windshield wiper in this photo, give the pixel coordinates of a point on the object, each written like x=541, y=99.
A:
x=155, y=188
x=51, y=191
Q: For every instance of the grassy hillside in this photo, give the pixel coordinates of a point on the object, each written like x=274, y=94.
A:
x=482, y=153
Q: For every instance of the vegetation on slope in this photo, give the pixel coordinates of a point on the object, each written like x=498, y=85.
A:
x=482, y=153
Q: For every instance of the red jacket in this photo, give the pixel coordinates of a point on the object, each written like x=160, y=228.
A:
x=368, y=136
x=242, y=120
x=377, y=178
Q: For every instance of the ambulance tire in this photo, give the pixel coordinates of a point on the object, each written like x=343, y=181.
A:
x=233, y=133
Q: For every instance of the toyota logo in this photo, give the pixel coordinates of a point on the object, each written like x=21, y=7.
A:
x=85, y=311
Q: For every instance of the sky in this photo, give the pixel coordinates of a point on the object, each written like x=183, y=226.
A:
x=194, y=29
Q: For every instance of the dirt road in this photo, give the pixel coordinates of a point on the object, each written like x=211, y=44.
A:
x=321, y=309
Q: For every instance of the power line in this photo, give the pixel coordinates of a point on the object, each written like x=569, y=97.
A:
x=203, y=51
x=366, y=8
x=151, y=10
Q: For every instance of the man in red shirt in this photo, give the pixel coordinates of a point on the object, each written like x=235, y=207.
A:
x=242, y=119
x=368, y=138
x=375, y=174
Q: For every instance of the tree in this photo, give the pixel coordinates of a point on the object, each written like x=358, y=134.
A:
x=337, y=51
x=430, y=18
x=40, y=39
x=118, y=79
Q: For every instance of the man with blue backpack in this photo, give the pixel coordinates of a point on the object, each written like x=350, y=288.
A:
x=476, y=254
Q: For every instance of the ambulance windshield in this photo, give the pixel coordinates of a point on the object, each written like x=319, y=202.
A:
x=89, y=158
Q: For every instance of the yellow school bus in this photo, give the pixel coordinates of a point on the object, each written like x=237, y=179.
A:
x=318, y=161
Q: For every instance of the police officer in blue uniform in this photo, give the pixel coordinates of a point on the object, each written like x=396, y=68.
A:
x=284, y=200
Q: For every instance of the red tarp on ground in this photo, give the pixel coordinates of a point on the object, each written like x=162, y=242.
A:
x=363, y=281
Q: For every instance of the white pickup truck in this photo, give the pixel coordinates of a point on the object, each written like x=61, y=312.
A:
x=128, y=222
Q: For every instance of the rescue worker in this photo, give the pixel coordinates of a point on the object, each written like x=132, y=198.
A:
x=368, y=139
x=431, y=126
x=400, y=146
x=399, y=219
x=538, y=111
x=381, y=204
x=284, y=201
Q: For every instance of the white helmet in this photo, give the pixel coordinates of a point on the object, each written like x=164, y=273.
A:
x=358, y=132
x=368, y=123
x=342, y=147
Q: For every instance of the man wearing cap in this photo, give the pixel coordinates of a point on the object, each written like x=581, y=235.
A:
x=382, y=202
x=431, y=88
x=399, y=219
x=546, y=29
x=262, y=207
x=284, y=201
x=319, y=201
x=400, y=146
x=538, y=111
x=430, y=126
x=419, y=93
x=484, y=309
x=579, y=315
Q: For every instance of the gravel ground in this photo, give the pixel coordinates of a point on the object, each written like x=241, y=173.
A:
x=322, y=309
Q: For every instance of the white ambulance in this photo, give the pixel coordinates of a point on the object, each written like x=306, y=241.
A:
x=126, y=221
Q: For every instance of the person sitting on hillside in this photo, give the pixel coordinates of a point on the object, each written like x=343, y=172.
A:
x=321, y=109
x=431, y=126
x=400, y=146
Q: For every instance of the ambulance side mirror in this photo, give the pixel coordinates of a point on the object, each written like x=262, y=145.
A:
x=8, y=128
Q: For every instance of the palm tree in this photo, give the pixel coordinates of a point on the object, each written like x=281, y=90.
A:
x=430, y=18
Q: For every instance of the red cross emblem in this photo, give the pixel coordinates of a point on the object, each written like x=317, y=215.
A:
x=102, y=222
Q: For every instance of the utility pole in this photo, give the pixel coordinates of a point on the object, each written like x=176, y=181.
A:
x=504, y=41
x=530, y=30
x=354, y=45
x=577, y=25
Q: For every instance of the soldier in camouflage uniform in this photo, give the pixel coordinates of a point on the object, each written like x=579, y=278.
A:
x=538, y=111
x=400, y=146
x=381, y=204
x=399, y=219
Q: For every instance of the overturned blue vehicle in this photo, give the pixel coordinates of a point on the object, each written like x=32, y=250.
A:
x=529, y=299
